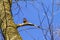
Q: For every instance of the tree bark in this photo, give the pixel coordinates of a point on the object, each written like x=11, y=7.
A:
x=9, y=28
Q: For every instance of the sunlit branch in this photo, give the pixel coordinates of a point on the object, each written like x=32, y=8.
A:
x=27, y=24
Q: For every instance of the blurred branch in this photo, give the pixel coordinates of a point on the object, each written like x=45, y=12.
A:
x=49, y=23
x=19, y=8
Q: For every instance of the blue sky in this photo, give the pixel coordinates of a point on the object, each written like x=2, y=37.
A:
x=31, y=12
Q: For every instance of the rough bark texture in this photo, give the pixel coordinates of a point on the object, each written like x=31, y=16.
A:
x=9, y=29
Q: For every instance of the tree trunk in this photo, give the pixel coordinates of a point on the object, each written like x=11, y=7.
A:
x=9, y=28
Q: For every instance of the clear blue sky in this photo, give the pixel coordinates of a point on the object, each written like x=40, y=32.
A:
x=31, y=14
